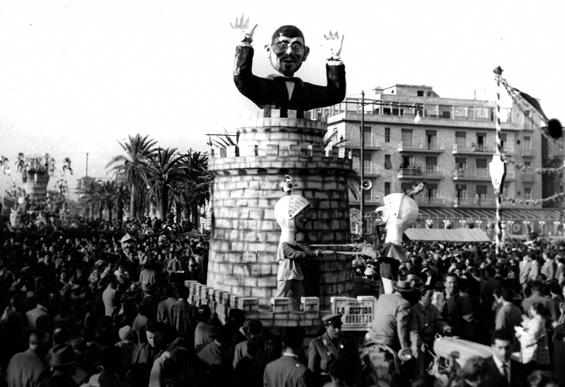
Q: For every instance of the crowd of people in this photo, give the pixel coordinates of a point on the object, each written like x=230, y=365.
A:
x=95, y=308
x=513, y=300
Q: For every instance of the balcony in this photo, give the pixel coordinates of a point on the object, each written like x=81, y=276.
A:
x=369, y=201
x=477, y=201
x=472, y=150
x=354, y=143
x=471, y=175
x=370, y=170
x=408, y=147
x=428, y=173
x=429, y=201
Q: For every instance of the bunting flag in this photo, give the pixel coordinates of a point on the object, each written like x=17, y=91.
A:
x=526, y=103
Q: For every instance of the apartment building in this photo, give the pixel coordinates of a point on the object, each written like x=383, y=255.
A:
x=413, y=135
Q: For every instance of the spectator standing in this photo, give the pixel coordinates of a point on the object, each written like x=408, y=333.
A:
x=28, y=368
x=331, y=346
x=502, y=370
x=288, y=370
x=457, y=310
x=534, y=346
x=508, y=316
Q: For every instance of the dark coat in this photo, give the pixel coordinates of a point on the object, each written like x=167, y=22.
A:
x=495, y=379
x=26, y=369
x=265, y=92
x=322, y=351
x=287, y=371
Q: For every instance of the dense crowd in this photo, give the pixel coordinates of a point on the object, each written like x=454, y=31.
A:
x=92, y=308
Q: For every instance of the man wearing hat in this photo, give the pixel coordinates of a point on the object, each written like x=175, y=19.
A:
x=287, y=51
x=331, y=346
x=290, y=214
x=391, y=325
x=63, y=367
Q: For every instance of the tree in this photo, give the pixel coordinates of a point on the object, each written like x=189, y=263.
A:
x=90, y=191
x=195, y=190
x=163, y=171
x=132, y=165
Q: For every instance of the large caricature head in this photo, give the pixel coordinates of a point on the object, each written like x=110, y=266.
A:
x=398, y=213
x=290, y=214
x=287, y=50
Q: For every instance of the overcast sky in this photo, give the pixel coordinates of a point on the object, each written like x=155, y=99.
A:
x=79, y=76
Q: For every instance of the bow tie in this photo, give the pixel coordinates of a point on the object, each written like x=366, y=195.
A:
x=288, y=79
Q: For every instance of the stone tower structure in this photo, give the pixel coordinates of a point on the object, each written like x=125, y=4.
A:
x=247, y=179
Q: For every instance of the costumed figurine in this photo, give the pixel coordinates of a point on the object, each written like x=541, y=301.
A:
x=399, y=212
x=290, y=213
x=287, y=51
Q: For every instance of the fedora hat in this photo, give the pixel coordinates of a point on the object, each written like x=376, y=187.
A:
x=62, y=356
x=403, y=286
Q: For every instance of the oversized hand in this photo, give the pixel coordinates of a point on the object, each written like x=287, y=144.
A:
x=333, y=45
x=242, y=24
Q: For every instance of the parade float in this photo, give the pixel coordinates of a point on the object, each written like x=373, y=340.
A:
x=28, y=199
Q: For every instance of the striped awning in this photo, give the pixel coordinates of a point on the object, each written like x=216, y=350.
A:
x=548, y=214
x=452, y=235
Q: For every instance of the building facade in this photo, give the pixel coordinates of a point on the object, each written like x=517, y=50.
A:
x=413, y=135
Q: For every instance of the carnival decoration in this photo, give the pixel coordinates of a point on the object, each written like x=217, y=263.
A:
x=287, y=51
x=531, y=108
x=399, y=212
x=497, y=166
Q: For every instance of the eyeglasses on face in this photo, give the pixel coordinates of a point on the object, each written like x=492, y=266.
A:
x=283, y=45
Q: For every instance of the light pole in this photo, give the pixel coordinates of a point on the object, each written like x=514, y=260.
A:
x=362, y=166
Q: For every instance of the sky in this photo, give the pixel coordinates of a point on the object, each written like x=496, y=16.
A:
x=80, y=76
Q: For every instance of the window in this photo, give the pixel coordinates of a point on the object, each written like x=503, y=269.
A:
x=481, y=193
x=406, y=187
x=406, y=137
x=431, y=191
x=431, y=164
x=527, y=145
x=429, y=93
x=387, y=188
x=502, y=140
x=460, y=163
x=461, y=191
x=481, y=141
x=527, y=193
x=481, y=163
x=420, y=93
x=407, y=162
x=387, y=134
x=388, y=162
x=431, y=139
x=461, y=139
x=481, y=190
x=367, y=137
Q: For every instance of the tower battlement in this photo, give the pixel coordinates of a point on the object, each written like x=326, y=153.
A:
x=247, y=178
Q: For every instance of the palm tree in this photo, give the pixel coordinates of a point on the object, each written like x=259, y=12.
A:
x=195, y=190
x=90, y=191
x=138, y=151
x=163, y=171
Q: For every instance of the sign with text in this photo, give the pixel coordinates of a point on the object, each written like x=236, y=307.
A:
x=357, y=313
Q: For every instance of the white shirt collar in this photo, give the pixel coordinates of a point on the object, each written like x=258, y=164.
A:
x=499, y=364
